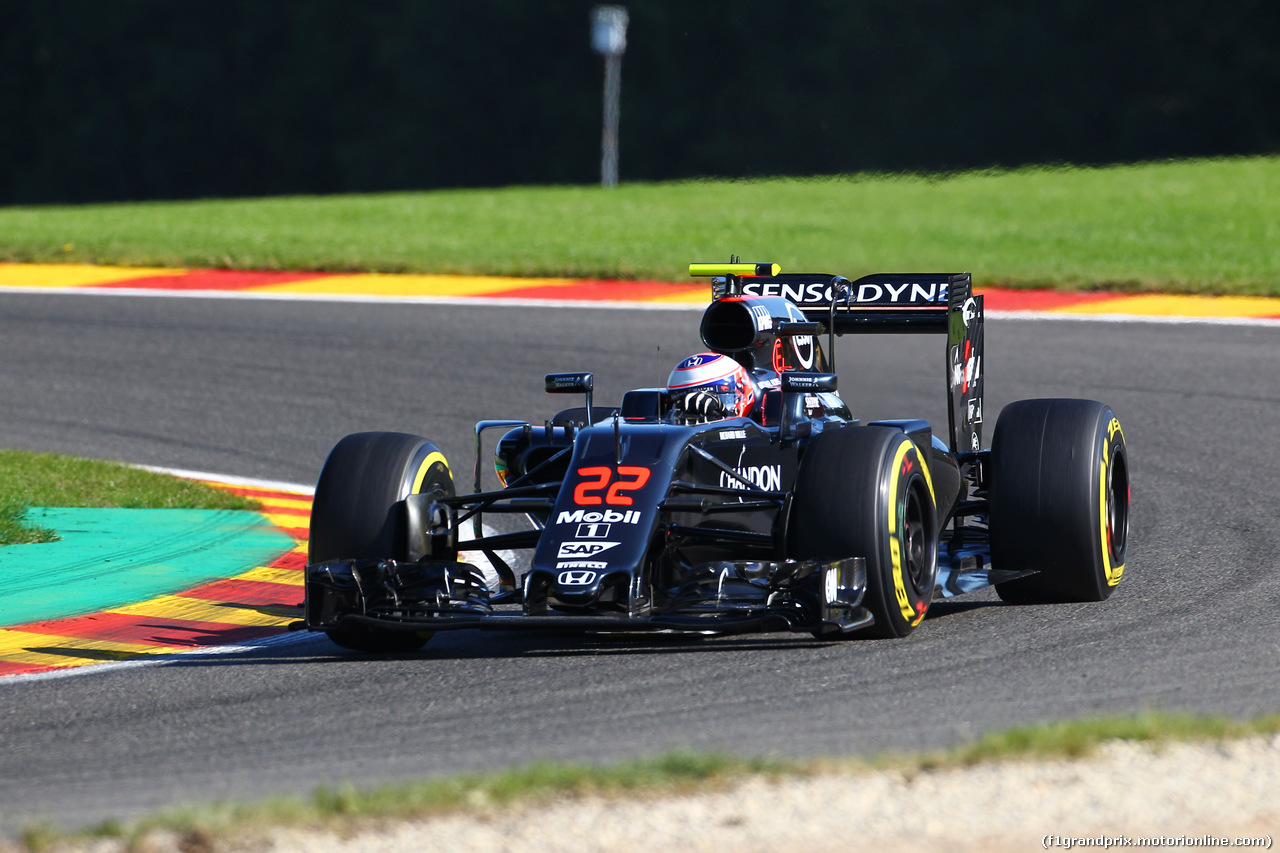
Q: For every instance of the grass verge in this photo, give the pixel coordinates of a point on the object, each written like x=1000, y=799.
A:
x=346, y=809
x=1192, y=226
x=49, y=479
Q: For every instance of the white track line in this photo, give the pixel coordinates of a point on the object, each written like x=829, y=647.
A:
x=169, y=657
x=363, y=298
x=515, y=302
x=246, y=482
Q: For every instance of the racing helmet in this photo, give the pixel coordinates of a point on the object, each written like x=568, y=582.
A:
x=709, y=387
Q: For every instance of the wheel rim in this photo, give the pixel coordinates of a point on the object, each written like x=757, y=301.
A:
x=1117, y=508
x=915, y=538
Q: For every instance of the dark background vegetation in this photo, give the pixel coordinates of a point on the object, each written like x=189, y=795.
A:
x=152, y=99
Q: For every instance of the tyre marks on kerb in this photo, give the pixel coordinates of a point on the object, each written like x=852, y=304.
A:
x=251, y=604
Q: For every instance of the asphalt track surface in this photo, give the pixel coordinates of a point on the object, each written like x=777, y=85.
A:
x=264, y=389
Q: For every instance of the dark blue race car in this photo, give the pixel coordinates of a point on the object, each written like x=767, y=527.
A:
x=742, y=496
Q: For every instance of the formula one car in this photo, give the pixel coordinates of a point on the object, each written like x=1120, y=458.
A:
x=742, y=497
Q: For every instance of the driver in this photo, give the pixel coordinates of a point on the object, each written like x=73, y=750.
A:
x=710, y=387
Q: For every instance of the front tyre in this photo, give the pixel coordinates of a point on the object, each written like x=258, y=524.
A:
x=1059, y=500
x=867, y=492
x=358, y=513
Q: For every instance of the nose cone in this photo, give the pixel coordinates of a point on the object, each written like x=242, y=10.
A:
x=578, y=585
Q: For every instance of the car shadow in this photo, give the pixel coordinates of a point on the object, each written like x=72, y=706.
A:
x=494, y=645
x=471, y=644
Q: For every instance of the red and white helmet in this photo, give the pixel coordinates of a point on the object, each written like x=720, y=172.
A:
x=708, y=387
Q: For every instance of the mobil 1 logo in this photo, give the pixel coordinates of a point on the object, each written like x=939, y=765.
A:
x=607, y=517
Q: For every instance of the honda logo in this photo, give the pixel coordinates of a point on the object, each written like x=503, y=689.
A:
x=575, y=578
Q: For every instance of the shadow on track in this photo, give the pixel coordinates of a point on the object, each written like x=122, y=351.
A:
x=512, y=645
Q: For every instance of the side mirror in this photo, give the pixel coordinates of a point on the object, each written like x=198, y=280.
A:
x=802, y=383
x=571, y=383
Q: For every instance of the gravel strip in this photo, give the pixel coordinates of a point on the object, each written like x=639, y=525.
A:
x=1228, y=790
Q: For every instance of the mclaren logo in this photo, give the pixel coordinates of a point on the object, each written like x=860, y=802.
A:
x=803, y=347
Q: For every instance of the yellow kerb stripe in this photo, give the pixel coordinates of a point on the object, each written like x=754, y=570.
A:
x=55, y=650
x=1180, y=306
x=409, y=285
x=75, y=275
x=285, y=503
x=200, y=610
x=288, y=521
x=267, y=574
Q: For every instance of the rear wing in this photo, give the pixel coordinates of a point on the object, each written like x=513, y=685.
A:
x=893, y=303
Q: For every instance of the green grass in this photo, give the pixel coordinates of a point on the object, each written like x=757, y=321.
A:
x=49, y=479
x=346, y=808
x=1080, y=738
x=1193, y=226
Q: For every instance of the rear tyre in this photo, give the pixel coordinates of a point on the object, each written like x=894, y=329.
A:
x=866, y=492
x=1059, y=500
x=358, y=513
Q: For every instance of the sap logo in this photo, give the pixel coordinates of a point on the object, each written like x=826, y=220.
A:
x=578, y=516
x=575, y=578
x=569, y=550
x=767, y=477
x=593, y=531
x=581, y=564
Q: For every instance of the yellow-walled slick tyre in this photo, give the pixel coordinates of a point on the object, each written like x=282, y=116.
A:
x=358, y=513
x=1059, y=492
x=866, y=492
